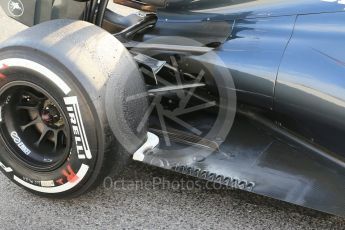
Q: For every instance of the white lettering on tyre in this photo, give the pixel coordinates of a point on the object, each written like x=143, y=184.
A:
x=7, y=169
x=78, y=129
x=49, y=183
x=19, y=143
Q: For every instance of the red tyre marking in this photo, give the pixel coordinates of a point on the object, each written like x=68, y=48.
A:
x=59, y=181
x=70, y=174
x=4, y=66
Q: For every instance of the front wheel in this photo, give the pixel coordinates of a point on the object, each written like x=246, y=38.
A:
x=56, y=138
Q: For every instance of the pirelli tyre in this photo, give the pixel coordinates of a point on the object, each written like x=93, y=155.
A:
x=56, y=138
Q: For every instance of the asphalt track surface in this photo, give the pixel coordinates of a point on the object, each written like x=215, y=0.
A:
x=145, y=197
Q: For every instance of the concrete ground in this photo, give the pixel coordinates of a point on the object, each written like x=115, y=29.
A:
x=151, y=207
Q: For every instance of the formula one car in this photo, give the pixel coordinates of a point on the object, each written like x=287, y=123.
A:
x=248, y=94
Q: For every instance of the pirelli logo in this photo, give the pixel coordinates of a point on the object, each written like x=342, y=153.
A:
x=78, y=129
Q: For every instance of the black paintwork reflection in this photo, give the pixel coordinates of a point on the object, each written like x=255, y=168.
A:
x=311, y=81
x=233, y=9
x=253, y=55
x=205, y=33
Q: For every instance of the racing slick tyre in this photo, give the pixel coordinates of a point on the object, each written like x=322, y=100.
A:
x=56, y=138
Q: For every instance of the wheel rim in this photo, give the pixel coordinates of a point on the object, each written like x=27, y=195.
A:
x=34, y=126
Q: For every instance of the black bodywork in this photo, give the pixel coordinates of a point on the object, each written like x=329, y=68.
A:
x=287, y=61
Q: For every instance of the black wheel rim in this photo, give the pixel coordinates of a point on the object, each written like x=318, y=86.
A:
x=34, y=126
